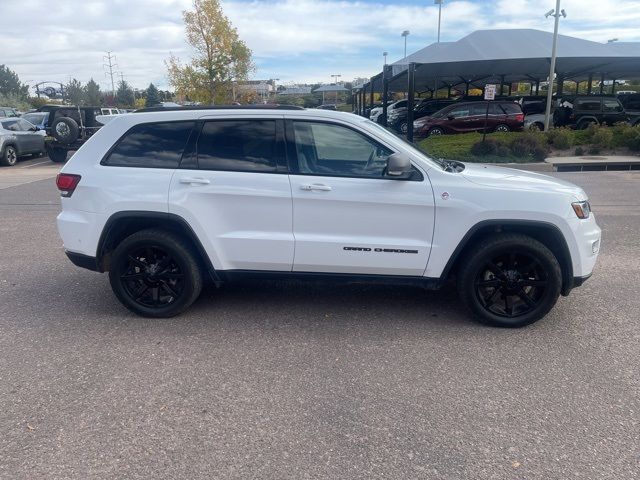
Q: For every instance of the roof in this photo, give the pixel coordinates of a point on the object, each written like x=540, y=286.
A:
x=489, y=56
x=331, y=88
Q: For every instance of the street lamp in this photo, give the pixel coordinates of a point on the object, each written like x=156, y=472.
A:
x=556, y=13
x=405, y=34
x=335, y=78
x=439, y=3
x=384, y=54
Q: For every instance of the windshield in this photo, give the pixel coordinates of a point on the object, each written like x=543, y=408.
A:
x=389, y=132
x=35, y=118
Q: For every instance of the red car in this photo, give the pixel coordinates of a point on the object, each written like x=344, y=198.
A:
x=504, y=116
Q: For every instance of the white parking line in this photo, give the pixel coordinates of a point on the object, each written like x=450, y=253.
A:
x=34, y=164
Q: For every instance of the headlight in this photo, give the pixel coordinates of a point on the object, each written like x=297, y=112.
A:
x=582, y=209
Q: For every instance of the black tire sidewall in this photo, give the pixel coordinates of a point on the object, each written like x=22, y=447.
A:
x=435, y=134
x=57, y=155
x=5, y=156
x=74, y=130
x=476, y=261
x=181, y=254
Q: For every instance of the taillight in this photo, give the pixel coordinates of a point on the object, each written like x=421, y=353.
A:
x=67, y=183
x=519, y=117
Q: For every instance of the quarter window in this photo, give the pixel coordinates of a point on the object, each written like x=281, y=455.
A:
x=334, y=150
x=611, y=105
x=238, y=146
x=151, y=145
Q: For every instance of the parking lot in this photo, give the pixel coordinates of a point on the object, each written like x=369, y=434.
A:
x=310, y=380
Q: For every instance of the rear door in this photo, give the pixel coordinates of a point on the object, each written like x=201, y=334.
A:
x=349, y=218
x=233, y=189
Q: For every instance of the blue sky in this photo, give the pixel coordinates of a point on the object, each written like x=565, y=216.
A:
x=293, y=40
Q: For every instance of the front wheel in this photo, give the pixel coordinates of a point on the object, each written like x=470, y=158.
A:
x=155, y=273
x=509, y=280
x=435, y=132
x=10, y=156
x=403, y=128
x=57, y=154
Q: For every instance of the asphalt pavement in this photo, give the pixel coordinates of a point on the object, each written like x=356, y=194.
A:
x=293, y=380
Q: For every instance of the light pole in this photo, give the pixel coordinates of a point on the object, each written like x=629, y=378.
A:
x=439, y=3
x=384, y=54
x=405, y=34
x=557, y=13
x=335, y=80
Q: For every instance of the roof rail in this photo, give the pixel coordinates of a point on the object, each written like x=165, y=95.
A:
x=219, y=107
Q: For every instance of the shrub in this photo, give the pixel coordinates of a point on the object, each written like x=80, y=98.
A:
x=602, y=136
x=528, y=144
x=539, y=154
x=503, y=151
x=579, y=151
x=560, y=138
x=627, y=136
x=594, y=150
x=489, y=147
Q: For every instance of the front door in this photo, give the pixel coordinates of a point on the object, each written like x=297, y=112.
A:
x=234, y=191
x=349, y=218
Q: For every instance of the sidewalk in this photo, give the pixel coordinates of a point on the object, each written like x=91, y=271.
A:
x=594, y=163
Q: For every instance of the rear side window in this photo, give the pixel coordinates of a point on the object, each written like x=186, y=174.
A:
x=588, y=105
x=611, y=105
x=151, y=145
x=511, y=108
x=238, y=146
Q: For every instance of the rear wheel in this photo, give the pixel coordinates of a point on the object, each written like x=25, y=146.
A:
x=403, y=128
x=155, y=273
x=10, y=156
x=57, y=154
x=435, y=131
x=502, y=128
x=585, y=124
x=509, y=280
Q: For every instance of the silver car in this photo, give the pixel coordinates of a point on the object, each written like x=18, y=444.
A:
x=19, y=137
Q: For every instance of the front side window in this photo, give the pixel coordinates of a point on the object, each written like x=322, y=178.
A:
x=611, y=105
x=238, y=146
x=151, y=145
x=334, y=150
x=588, y=105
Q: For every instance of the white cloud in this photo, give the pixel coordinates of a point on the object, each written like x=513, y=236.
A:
x=301, y=40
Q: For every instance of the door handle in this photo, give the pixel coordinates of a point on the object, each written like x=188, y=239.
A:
x=315, y=186
x=195, y=181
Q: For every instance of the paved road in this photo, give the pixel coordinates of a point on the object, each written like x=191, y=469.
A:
x=293, y=380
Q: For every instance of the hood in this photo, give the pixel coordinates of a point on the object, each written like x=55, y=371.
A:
x=510, y=178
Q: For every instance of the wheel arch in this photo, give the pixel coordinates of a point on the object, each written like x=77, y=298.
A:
x=585, y=119
x=122, y=224
x=546, y=233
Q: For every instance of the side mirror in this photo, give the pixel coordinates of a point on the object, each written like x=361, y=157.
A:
x=34, y=128
x=398, y=166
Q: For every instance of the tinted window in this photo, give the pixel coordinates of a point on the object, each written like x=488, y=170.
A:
x=24, y=125
x=328, y=149
x=478, y=109
x=611, y=105
x=461, y=111
x=588, y=105
x=151, y=145
x=11, y=125
x=511, y=108
x=238, y=145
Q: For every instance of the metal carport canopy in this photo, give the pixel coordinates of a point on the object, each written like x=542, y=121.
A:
x=510, y=55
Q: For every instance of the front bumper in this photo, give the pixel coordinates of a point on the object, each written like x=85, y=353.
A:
x=83, y=261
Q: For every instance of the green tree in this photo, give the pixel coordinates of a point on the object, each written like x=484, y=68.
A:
x=220, y=56
x=74, y=92
x=124, y=95
x=153, y=96
x=92, y=94
x=10, y=84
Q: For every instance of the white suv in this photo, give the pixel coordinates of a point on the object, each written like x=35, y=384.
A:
x=160, y=199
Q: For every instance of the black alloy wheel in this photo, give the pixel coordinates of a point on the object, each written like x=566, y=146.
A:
x=155, y=273
x=509, y=280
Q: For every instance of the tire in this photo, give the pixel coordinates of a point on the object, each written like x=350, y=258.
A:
x=155, y=273
x=57, y=154
x=502, y=128
x=435, y=132
x=583, y=125
x=65, y=130
x=536, y=127
x=9, y=157
x=402, y=128
x=512, y=264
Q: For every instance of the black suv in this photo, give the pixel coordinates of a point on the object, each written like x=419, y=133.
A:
x=67, y=128
x=398, y=116
x=581, y=111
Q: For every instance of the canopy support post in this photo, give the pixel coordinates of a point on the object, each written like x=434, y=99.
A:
x=371, y=95
x=448, y=91
x=510, y=87
x=577, y=86
x=538, y=87
x=385, y=93
x=560, y=87
x=501, y=84
x=411, y=87
x=590, y=84
x=601, y=84
x=613, y=87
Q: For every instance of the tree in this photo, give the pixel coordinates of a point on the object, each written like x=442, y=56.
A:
x=92, y=95
x=124, y=95
x=153, y=98
x=74, y=92
x=220, y=56
x=10, y=84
